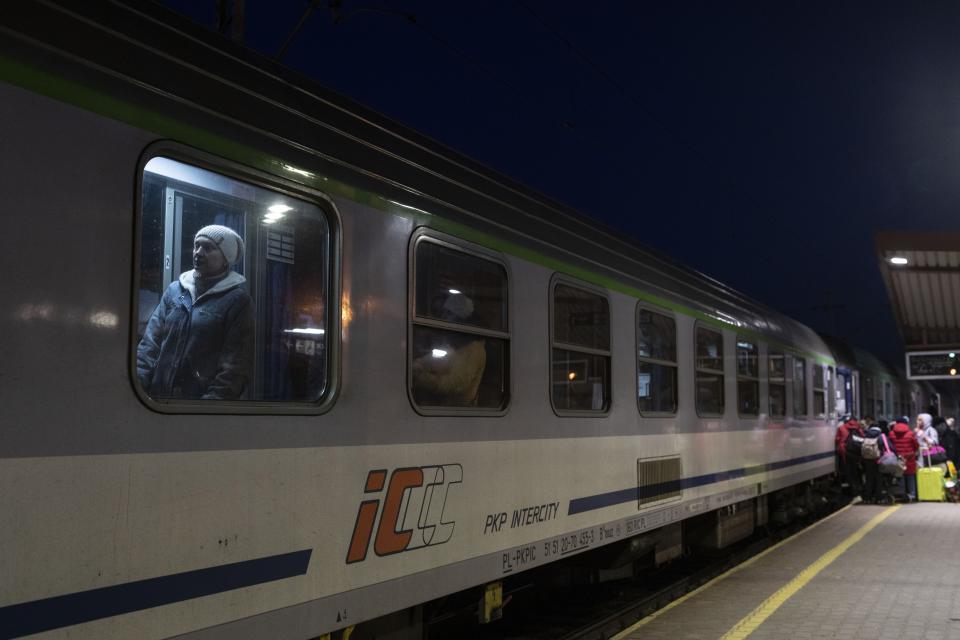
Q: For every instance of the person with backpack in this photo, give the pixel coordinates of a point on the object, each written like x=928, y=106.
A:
x=874, y=445
x=904, y=443
x=849, y=442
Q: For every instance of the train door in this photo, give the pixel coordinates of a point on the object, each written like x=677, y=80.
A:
x=843, y=392
x=853, y=393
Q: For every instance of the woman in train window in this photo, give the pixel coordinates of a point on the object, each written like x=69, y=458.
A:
x=198, y=342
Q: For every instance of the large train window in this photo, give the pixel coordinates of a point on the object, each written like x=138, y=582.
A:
x=748, y=378
x=819, y=391
x=709, y=372
x=580, y=354
x=656, y=362
x=234, y=293
x=777, y=376
x=460, y=338
x=799, y=387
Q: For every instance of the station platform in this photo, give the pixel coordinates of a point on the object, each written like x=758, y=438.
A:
x=865, y=572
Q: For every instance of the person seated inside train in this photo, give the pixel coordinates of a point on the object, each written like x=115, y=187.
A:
x=198, y=342
x=452, y=365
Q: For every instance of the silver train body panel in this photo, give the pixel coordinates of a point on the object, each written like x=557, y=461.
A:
x=101, y=495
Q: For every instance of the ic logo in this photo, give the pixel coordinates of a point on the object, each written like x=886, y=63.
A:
x=412, y=514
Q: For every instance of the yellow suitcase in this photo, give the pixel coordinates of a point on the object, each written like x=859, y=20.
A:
x=930, y=484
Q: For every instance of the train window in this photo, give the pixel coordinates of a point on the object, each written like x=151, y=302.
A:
x=709, y=372
x=869, y=408
x=799, y=387
x=748, y=378
x=887, y=401
x=819, y=391
x=656, y=362
x=777, y=375
x=460, y=342
x=580, y=368
x=234, y=299
x=831, y=393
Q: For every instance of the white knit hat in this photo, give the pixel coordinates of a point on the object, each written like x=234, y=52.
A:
x=226, y=239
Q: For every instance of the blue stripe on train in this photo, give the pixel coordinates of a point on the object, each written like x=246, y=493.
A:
x=62, y=611
x=631, y=494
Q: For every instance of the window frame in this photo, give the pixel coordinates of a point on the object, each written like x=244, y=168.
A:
x=756, y=380
x=427, y=234
x=641, y=305
x=242, y=173
x=697, y=326
x=560, y=279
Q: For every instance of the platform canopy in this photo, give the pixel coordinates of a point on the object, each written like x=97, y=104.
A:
x=922, y=274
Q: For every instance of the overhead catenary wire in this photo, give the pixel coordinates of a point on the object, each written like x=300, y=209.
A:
x=339, y=17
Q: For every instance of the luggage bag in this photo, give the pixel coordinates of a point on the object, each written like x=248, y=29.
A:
x=930, y=486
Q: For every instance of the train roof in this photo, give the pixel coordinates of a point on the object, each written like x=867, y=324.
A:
x=144, y=64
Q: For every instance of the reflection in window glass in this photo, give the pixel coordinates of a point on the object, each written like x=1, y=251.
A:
x=748, y=378
x=450, y=281
x=239, y=311
x=580, y=369
x=799, y=387
x=581, y=381
x=819, y=390
x=656, y=362
x=460, y=343
x=709, y=374
x=580, y=318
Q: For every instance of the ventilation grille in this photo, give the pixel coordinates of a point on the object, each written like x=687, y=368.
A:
x=280, y=245
x=658, y=479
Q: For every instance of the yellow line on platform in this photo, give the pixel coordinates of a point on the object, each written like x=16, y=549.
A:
x=659, y=612
x=755, y=618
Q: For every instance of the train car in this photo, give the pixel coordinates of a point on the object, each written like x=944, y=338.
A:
x=866, y=386
x=428, y=379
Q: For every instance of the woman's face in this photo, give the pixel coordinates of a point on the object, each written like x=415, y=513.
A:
x=208, y=260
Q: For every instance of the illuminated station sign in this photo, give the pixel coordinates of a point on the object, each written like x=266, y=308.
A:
x=933, y=365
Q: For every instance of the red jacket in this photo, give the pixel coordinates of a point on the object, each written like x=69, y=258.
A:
x=840, y=440
x=905, y=445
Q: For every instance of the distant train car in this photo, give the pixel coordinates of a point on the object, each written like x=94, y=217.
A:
x=866, y=386
x=418, y=377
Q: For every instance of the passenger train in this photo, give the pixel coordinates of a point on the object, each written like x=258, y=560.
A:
x=452, y=380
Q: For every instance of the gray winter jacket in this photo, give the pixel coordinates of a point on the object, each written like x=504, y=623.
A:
x=201, y=349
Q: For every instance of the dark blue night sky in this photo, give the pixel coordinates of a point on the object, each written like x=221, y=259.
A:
x=763, y=143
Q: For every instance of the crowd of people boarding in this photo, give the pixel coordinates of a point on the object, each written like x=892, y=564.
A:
x=880, y=461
